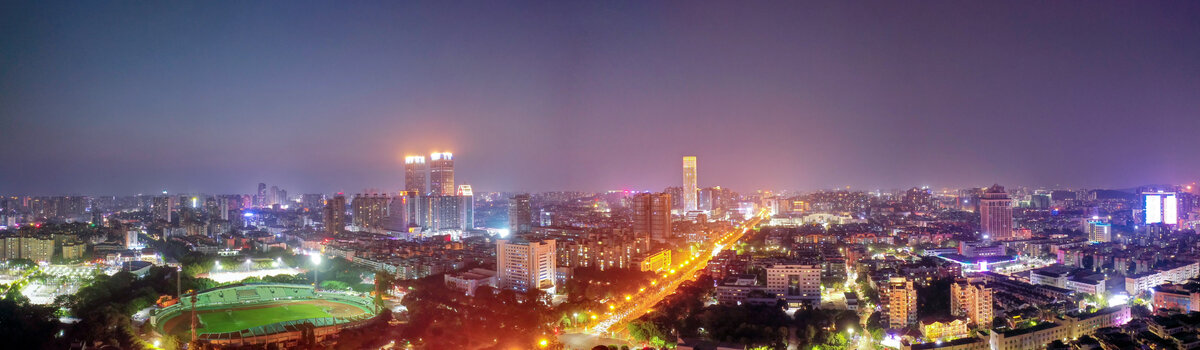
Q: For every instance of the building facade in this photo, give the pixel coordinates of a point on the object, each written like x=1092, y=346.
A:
x=690, y=191
x=652, y=216
x=523, y=265
x=441, y=174
x=995, y=214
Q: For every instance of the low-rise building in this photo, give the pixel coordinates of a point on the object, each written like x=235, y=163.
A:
x=468, y=281
x=1173, y=273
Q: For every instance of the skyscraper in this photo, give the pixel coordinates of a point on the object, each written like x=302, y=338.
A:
x=414, y=175
x=652, y=216
x=441, y=174
x=689, y=184
x=522, y=265
x=900, y=305
x=335, y=214
x=261, y=197
x=467, y=209
x=995, y=214
x=520, y=214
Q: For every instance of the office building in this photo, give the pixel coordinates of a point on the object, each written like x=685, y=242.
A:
x=972, y=300
x=523, y=265
x=652, y=216
x=441, y=174
x=415, y=175
x=520, y=214
x=995, y=214
x=798, y=284
x=900, y=303
x=335, y=214
x=690, y=191
x=1161, y=208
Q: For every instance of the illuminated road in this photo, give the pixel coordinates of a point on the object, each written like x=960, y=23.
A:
x=634, y=306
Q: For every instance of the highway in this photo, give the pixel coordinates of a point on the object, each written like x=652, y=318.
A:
x=634, y=306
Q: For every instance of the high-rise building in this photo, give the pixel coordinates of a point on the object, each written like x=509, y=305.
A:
x=1161, y=208
x=523, y=265
x=260, y=198
x=798, y=284
x=163, y=208
x=995, y=214
x=335, y=213
x=441, y=174
x=371, y=210
x=1098, y=231
x=467, y=207
x=441, y=213
x=900, y=304
x=415, y=175
x=690, y=191
x=520, y=214
x=652, y=216
x=972, y=300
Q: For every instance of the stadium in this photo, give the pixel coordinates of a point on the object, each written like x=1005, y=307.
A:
x=263, y=313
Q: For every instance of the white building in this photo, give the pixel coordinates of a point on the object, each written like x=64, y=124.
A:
x=522, y=265
x=799, y=285
x=1178, y=273
x=470, y=280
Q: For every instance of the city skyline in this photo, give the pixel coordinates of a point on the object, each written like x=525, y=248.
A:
x=585, y=96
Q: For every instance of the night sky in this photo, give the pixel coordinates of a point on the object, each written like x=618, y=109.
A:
x=99, y=98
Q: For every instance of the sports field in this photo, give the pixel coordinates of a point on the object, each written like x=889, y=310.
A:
x=236, y=320
x=243, y=317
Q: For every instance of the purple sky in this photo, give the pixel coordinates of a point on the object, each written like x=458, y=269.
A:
x=594, y=95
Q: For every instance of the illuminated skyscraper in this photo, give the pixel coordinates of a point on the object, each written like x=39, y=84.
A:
x=652, y=216
x=995, y=214
x=467, y=208
x=414, y=175
x=689, y=184
x=1161, y=207
x=441, y=174
x=520, y=214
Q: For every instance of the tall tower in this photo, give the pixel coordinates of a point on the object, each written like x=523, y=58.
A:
x=414, y=174
x=995, y=214
x=441, y=174
x=689, y=183
x=652, y=216
x=260, y=199
x=520, y=214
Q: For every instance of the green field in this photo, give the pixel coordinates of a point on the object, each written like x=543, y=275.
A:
x=220, y=322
